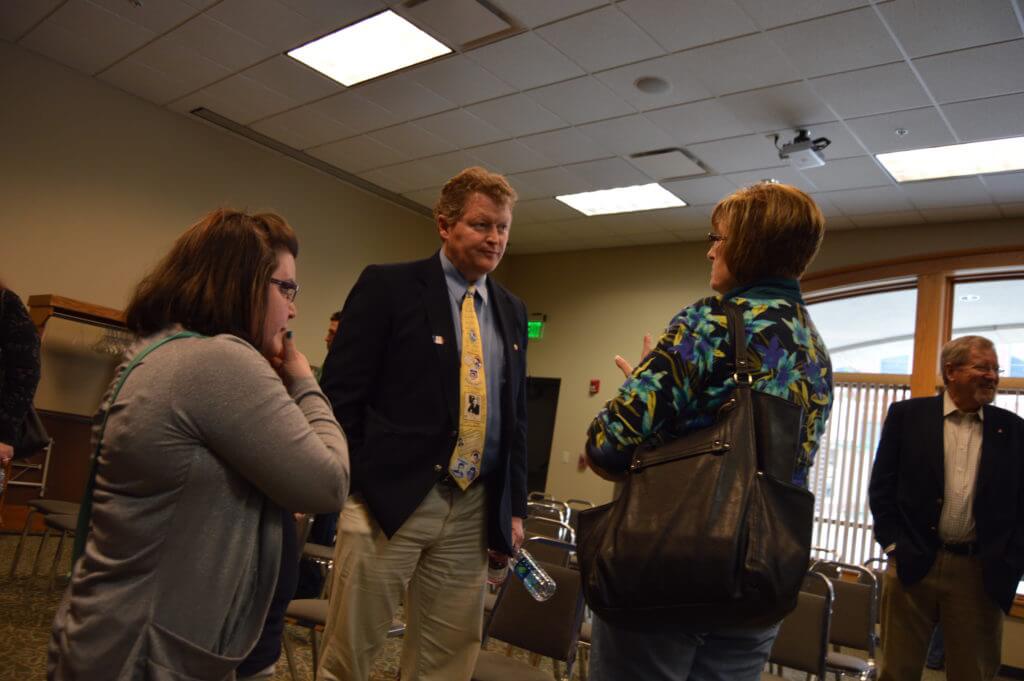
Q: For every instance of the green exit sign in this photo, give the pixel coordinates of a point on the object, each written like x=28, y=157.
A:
x=535, y=329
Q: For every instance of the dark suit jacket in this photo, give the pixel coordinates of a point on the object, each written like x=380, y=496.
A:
x=395, y=391
x=907, y=484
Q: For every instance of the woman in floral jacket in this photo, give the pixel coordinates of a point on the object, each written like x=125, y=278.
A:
x=763, y=238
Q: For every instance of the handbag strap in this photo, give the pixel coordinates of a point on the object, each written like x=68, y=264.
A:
x=738, y=336
x=85, y=510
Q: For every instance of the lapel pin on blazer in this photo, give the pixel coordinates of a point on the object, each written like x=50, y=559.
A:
x=438, y=340
x=515, y=346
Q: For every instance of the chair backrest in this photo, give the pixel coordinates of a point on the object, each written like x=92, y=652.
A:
x=548, y=508
x=546, y=527
x=802, y=643
x=549, y=628
x=855, y=590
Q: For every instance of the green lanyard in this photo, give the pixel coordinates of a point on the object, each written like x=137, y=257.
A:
x=85, y=510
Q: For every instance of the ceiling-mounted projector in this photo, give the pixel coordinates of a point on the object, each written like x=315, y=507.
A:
x=803, y=152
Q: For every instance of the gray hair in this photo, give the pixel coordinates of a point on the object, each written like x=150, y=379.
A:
x=957, y=351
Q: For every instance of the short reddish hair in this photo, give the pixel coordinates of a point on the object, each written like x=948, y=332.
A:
x=457, y=191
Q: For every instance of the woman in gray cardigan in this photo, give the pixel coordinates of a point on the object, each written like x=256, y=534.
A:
x=209, y=437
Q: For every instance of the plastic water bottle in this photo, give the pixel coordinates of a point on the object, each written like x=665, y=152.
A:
x=537, y=582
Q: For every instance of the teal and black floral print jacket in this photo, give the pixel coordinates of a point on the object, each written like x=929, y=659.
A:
x=679, y=386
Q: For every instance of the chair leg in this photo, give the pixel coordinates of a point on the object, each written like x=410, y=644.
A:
x=39, y=551
x=316, y=652
x=289, y=654
x=56, y=559
x=21, y=542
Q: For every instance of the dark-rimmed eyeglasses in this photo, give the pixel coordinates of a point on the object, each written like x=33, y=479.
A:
x=714, y=238
x=289, y=289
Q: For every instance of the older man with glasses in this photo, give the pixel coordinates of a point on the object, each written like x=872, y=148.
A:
x=946, y=498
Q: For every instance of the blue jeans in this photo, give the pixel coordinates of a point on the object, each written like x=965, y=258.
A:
x=735, y=654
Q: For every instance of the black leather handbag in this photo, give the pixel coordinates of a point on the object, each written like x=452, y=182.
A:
x=709, y=532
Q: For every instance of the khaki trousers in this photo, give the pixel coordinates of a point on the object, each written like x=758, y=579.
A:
x=438, y=560
x=952, y=593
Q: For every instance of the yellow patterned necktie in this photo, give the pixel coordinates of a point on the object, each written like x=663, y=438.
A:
x=464, y=465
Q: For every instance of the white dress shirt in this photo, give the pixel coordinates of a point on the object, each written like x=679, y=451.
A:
x=961, y=438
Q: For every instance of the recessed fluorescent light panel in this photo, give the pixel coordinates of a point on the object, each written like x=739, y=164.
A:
x=381, y=44
x=622, y=200
x=955, y=160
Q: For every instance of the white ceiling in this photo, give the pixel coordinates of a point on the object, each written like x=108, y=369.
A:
x=554, y=105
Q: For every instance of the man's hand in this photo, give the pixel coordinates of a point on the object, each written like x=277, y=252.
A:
x=625, y=367
x=517, y=533
x=7, y=452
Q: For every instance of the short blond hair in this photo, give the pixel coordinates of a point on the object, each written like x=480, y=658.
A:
x=773, y=230
x=457, y=191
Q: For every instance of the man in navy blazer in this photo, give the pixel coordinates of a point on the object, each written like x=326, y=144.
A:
x=393, y=375
x=946, y=494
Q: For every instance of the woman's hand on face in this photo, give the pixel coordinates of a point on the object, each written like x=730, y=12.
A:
x=625, y=367
x=291, y=364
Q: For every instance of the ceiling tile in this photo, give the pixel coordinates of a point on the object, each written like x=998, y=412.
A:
x=783, y=174
x=404, y=97
x=581, y=100
x=608, y=172
x=628, y=135
x=772, y=13
x=458, y=79
x=516, y=115
x=841, y=42
x=701, y=190
x=666, y=165
x=86, y=37
x=454, y=22
x=565, y=146
x=426, y=197
x=1006, y=187
x=134, y=77
x=461, y=128
x=536, y=12
x=935, y=26
x=413, y=140
x=740, y=64
x=893, y=219
x=881, y=89
x=674, y=69
x=985, y=211
x=220, y=43
x=749, y=152
x=293, y=79
x=848, y=173
x=357, y=154
x=978, y=72
x=302, y=128
x=397, y=183
x=361, y=115
x=794, y=105
x=266, y=21
x=18, y=16
x=179, y=64
x=961, y=191
x=983, y=119
x=156, y=16
x=247, y=99
x=874, y=200
x=542, y=210
x=924, y=128
x=600, y=39
x=547, y=183
x=525, y=61
x=828, y=209
x=437, y=169
x=330, y=15
x=405, y=177
x=510, y=157
x=698, y=122
x=681, y=25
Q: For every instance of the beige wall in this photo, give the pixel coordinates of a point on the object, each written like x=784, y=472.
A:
x=95, y=184
x=599, y=303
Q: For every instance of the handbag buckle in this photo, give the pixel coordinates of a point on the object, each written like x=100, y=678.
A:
x=736, y=377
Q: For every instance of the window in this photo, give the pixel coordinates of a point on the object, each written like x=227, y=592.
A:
x=993, y=309
x=869, y=334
